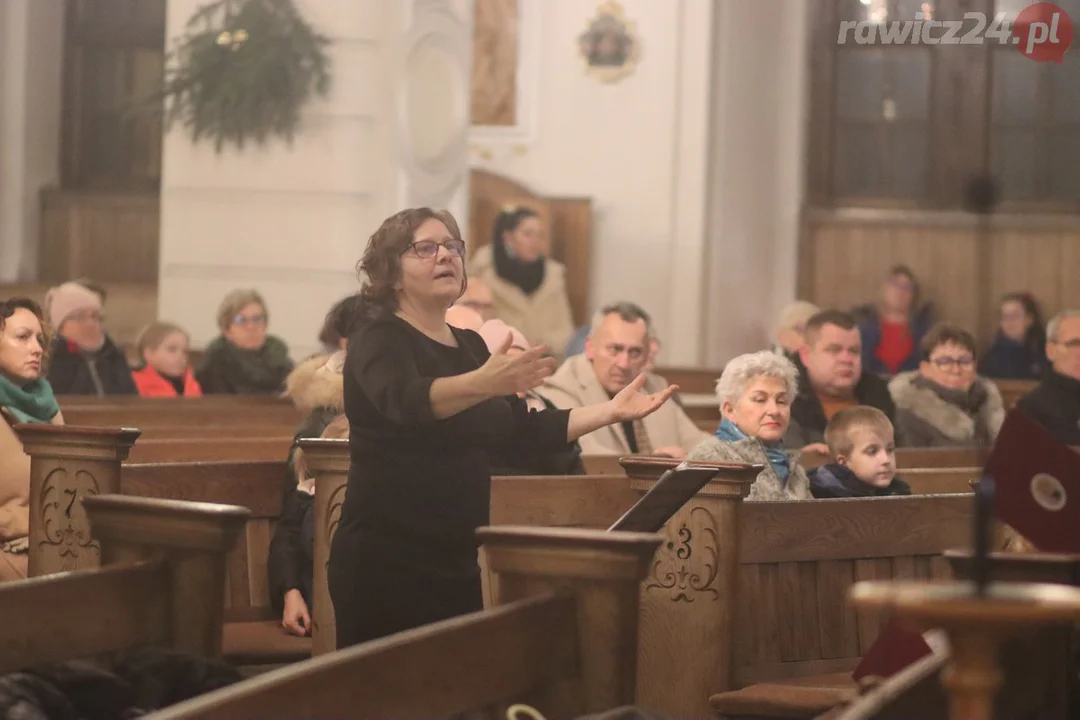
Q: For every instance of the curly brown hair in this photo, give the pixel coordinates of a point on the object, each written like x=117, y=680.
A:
x=8, y=308
x=381, y=262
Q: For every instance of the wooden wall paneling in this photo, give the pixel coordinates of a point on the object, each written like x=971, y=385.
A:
x=571, y=221
x=112, y=237
x=962, y=271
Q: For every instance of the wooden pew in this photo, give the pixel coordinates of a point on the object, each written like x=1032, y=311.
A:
x=730, y=574
x=564, y=642
x=164, y=565
x=69, y=464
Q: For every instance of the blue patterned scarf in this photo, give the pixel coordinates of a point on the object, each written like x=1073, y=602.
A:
x=778, y=457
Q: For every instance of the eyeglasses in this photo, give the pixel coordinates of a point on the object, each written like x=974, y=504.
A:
x=243, y=320
x=962, y=363
x=427, y=249
x=82, y=316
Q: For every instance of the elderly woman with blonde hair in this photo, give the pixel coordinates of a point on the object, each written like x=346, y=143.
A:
x=755, y=393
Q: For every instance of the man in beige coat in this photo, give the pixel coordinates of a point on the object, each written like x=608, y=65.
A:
x=616, y=352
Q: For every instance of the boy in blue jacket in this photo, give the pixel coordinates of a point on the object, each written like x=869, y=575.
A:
x=861, y=442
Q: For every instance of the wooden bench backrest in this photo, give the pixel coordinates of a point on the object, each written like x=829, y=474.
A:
x=158, y=416
x=163, y=561
x=219, y=449
x=798, y=560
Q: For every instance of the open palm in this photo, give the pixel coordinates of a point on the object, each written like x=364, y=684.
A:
x=632, y=404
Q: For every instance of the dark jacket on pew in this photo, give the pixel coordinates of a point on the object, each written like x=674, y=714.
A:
x=1008, y=359
x=101, y=373
x=566, y=461
x=837, y=481
x=292, y=556
x=808, y=419
x=140, y=682
x=1055, y=404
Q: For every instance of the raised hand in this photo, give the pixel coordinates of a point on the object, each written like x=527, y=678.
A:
x=505, y=374
x=632, y=404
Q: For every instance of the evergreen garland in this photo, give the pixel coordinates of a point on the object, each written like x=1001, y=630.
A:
x=243, y=70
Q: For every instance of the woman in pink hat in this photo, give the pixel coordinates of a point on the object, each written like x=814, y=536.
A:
x=85, y=360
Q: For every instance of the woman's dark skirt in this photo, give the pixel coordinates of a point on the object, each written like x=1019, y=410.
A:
x=375, y=596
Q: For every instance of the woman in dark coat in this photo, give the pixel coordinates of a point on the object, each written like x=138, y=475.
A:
x=428, y=408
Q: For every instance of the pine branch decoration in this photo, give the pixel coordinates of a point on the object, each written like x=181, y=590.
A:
x=243, y=70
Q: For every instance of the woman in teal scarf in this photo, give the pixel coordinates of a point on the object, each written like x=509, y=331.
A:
x=755, y=393
x=25, y=397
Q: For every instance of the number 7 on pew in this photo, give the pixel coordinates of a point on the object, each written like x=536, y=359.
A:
x=673, y=490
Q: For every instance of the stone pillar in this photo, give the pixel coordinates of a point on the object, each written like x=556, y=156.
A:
x=603, y=572
x=68, y=464
x=689, y=600
x=292, y=221
x=193, y=539
x=328, y=463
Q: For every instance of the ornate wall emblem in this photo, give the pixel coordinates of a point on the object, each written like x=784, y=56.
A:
x=610, y=46
x=64, y=524
x=687, y=564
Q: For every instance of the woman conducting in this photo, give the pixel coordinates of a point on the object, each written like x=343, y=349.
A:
x=428, y=406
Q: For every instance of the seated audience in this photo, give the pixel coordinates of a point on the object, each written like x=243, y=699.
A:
x=1019, y=348
x=83, y=360
x=831, y=378
x=863, y=450
x=478, y=298
x=527, y=287
x=944, y=402
x=337, y=326
x=517, y=462
x=791, y=328
x=244, y=359
x=166, y=371
x=616, y=352
x=1055, y=402
x=892, y=330
x=755, y=393
x=25, y=397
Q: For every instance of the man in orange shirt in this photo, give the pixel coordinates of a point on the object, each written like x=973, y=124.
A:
x=831, y=379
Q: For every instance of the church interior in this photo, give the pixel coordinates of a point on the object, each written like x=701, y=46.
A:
x=336, y=383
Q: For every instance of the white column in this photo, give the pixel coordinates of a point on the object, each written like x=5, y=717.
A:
x=759, y=115
x=31, y=67
x=293, y=221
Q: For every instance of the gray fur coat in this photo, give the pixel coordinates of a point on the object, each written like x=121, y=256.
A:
x=928, y=415
x=768, y=486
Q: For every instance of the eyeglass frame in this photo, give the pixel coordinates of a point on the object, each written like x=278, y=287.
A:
x=436, y=244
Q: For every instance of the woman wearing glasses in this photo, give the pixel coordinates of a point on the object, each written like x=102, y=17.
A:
x=244, y=359
x=428, y=406
x=945, y=402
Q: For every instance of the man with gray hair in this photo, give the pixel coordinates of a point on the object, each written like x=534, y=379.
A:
x=617, y=350
x=1055, y=402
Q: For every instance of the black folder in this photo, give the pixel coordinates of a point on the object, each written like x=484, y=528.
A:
x=673, y=490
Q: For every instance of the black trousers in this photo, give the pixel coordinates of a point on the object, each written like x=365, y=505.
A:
x=375, y=596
